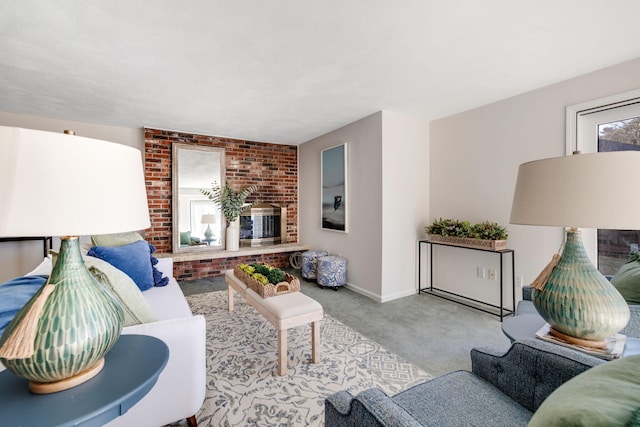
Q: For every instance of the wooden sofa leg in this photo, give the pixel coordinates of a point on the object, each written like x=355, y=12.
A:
x=192, y=421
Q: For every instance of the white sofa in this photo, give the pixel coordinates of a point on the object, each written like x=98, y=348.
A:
x=180, y=390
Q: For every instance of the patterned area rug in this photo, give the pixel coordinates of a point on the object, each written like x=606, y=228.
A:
x=243, y=388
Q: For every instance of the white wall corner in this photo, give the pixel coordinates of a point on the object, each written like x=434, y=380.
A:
x=405, y=200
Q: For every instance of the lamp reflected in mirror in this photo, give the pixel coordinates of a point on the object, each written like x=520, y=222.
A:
x=208, y=219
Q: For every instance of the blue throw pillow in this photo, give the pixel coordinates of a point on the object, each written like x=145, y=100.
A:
x=158, y=279
x=133, y=259
x=14, y=294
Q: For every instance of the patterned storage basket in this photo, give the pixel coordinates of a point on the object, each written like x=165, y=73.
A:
x=465, y=242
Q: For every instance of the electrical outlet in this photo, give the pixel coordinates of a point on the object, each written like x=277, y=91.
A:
x=492, y=274
x=520, y=281
x=481, y=273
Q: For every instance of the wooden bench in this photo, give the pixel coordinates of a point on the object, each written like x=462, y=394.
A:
x=282, y=311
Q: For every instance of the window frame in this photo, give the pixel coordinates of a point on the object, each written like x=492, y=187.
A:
x=574, y=122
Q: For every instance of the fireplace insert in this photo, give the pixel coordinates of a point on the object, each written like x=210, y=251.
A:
x=263, y=224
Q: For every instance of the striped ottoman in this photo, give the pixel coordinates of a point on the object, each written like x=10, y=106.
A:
x=332, y=271
x=310, y=263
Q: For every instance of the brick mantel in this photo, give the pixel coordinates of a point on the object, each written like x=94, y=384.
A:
x=272, y=167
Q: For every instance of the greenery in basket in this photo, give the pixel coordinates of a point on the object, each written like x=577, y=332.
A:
x=263, y=273
x=230, y=201
x=490, y=231
x=452, y=227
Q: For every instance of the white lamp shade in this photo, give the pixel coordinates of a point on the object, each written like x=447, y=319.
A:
x=53, y=184
x=208, y=219
x=596, y=190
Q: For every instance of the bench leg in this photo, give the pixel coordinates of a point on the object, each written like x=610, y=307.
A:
x=282, y=352
x=315, y=341
x=230, y=297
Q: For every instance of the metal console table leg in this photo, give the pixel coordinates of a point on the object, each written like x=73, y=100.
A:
x=502, y=312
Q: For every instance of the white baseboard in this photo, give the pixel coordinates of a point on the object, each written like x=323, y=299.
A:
x=364, y=292
x=378, y=297
x=398, y=295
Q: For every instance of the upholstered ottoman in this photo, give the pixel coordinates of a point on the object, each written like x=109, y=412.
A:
x=310, y=263
x=332, y=271
x=282, y=311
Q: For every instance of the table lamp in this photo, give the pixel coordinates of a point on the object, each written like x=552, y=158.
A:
x=208, y=219
x=55, y=184
x=595, y=190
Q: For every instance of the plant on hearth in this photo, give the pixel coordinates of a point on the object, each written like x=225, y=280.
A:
x=230, y=201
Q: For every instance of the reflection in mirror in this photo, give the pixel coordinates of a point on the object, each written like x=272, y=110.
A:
x=197, y=222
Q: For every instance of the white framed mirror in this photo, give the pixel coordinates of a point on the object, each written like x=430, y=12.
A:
x=197, y=223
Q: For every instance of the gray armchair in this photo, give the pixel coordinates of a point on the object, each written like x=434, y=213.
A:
x=501, y=389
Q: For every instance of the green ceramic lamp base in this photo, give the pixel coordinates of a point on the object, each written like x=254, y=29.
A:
x=208, y=233
x=53, y=387
x=78, y=323
x=577, y=300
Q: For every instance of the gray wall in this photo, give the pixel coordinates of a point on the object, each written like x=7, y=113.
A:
x=388, y=201
x=475, y=156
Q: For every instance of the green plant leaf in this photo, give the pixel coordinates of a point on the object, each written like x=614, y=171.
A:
x=231, y=202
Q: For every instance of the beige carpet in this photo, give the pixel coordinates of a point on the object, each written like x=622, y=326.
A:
x=243, y=389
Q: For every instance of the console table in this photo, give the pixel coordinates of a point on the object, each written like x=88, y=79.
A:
x=131, y=369
x=495, y=310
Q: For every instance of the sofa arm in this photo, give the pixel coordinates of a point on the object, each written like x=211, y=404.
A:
x=180, y=389
x=371, y=408
x=531, y=369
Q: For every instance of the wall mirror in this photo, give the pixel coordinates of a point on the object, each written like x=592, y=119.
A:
x=197, y=222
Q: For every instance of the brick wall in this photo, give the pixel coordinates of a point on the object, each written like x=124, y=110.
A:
x=190, y=270
x=272, y=167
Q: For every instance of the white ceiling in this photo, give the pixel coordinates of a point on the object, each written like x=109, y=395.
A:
x=286, y=71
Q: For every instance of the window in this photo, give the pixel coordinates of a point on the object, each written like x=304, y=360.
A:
x=611, y=124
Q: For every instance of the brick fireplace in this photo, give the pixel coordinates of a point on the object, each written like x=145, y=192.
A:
x=272, y=167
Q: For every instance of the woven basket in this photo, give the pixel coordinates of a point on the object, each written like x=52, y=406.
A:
x=291, y=284
x=465, y=242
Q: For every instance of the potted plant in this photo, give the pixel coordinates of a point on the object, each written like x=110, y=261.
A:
x=232, y=203
x=484, y=235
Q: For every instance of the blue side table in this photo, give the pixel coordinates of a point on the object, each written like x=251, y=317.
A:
x=131, y=369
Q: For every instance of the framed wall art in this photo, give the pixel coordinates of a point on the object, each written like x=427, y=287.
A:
x=334, y=198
